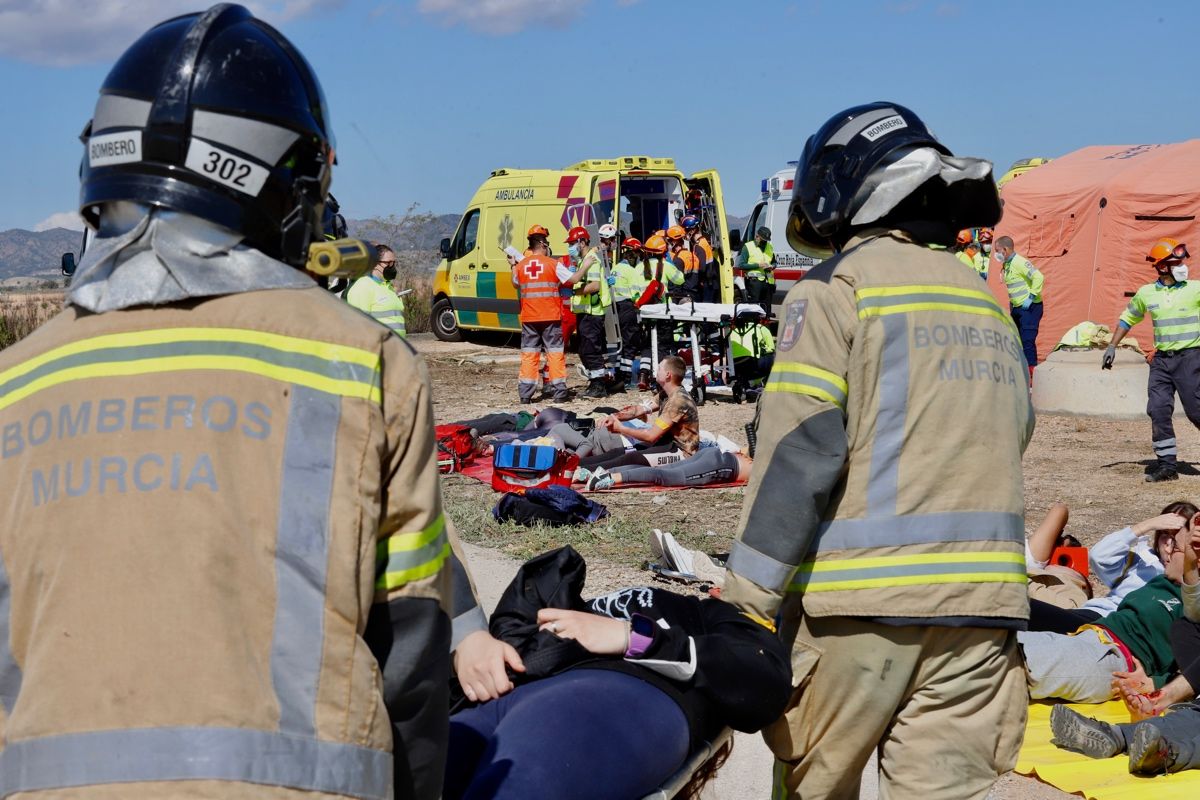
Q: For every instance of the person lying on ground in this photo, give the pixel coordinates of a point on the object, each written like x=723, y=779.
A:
x=633, y=682
x=1053, y=586
x=1124, y=561
x=673, y=435
x=1080, y=667
x=1141, y=696
x=710, y=465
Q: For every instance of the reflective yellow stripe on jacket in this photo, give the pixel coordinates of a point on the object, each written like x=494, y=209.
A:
x=883, y=300
x=330, y=368
x=410, y=556
x=909, y=570
x=808, y=380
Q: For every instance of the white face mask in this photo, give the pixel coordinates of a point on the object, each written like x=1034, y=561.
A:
x=999, y=256
x=987, y=248
x=1180, y=272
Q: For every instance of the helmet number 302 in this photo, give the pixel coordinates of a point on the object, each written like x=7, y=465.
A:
x=225, y=168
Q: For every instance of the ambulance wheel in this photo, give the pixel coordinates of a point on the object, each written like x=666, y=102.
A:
x=698, y=394
x=445, y=326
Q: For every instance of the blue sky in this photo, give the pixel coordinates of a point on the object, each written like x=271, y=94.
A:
x=428, y=96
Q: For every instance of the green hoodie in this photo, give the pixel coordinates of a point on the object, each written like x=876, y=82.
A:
x=1143, y=622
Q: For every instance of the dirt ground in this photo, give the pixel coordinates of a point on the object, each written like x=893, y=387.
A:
x=1096, y=466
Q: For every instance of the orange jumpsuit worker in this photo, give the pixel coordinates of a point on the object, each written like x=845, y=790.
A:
x=710, y=279
x=687, y=262
x=536, y=279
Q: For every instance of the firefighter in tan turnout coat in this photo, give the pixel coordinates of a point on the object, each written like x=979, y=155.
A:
x=885, y=531
x=224, y=564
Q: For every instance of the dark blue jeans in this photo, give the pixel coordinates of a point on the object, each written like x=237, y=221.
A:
x=586, y=734
x=1028, y=321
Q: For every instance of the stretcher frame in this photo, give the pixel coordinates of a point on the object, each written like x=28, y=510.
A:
x=696, y=316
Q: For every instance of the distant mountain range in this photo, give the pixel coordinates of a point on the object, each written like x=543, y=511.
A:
x=25, y=254
x=38, y=254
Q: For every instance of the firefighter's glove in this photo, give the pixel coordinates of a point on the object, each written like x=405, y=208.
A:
x=1109, y=356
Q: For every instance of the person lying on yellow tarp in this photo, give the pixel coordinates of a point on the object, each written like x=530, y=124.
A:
x=1166, y=742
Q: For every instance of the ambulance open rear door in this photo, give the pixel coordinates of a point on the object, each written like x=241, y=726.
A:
x=715, y=226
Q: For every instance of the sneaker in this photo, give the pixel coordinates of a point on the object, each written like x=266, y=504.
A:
x=561, y=397
x=525, y=401
x=582, y=474
x=1162, y=473
x=600, y=480
x=1150, y=752
x=1073, y=731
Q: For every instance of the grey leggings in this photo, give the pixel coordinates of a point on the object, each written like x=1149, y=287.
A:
x=599, y=440
x=710, y=465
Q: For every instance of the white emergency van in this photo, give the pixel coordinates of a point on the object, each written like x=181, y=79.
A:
x=771, y=212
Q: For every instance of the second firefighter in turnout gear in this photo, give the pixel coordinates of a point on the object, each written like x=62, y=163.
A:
x=1173, y=304
x=886, y=536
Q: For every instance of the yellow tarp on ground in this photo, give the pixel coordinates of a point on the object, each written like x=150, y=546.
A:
x=1095, y=778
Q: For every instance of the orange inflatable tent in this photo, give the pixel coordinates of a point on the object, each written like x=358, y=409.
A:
x=1088, y=219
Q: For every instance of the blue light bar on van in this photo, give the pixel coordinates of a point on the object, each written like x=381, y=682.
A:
x=763, y=187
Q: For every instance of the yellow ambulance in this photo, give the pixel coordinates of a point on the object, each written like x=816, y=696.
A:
x=472, y=288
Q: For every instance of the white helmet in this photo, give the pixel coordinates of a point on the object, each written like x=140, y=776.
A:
x=608, y=232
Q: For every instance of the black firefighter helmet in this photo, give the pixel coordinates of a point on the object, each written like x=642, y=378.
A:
x=217, y=115
x=842, y=164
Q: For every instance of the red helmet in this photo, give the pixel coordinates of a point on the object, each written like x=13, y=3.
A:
x=579, y=234
x=537, y=230
x=632, y=244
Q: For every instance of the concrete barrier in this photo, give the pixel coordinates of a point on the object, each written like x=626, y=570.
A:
x=1071, y=382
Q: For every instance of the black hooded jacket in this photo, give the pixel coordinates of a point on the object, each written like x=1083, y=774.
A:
x=721, y=667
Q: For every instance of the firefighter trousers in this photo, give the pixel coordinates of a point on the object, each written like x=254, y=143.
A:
x=944, y=708
x=592, y=344
x=534, y=337
x=1172, y=373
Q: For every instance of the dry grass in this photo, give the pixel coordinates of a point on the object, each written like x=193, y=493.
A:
x=417, y=304
x=21, y=314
